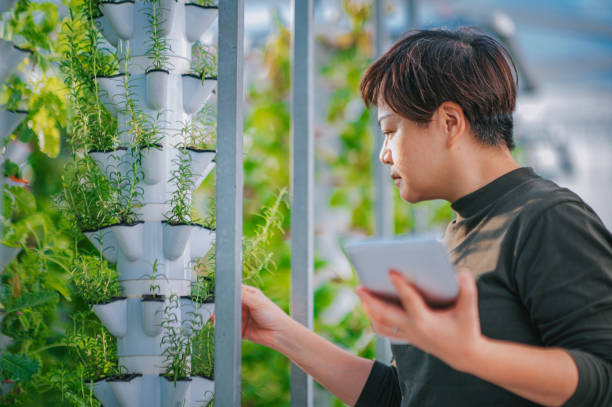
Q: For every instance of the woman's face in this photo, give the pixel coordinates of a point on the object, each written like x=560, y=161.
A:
x=415, y=154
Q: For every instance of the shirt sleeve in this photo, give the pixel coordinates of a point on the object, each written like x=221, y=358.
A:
x=381, y=389
x=564, y=279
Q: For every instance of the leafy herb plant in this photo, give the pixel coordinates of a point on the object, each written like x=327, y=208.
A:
x=176, y=345
x=159, y=48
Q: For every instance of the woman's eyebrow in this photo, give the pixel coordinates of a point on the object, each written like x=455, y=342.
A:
x=381, y=118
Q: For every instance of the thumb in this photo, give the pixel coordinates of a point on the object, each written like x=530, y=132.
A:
x=467, y=302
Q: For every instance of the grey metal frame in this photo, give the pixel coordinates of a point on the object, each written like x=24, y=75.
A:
x=384, y=224
x=230, y=180
x=302, y=194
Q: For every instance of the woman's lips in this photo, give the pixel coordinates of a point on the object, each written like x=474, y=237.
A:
x=396, y=181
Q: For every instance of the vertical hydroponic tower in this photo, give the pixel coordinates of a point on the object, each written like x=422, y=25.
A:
x=155, y=244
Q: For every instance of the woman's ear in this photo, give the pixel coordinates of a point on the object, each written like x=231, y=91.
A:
x=452, y=122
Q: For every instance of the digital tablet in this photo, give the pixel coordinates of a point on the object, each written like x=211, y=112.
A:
x=423, y=261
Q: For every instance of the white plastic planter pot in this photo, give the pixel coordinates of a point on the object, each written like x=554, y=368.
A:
x=112, y=92
x=110, y=162
x=114, y=316
x=6, y=5
x=153, y=164
x=120, y=16
x=157, y=88
x=12, y=56
x=104, y=240
x=9, y=120
x=201, y=242
x=103, y=393
x=7, y=254
x=127, y=389
x=152, y=314
x=202, y=163
x=176, y=238
x=173, y=393
x=168, y=11
x=198, y=19
x=194, y=313
x=107, y=30
x=130, y=239
x=202, y=390
x=196, y=93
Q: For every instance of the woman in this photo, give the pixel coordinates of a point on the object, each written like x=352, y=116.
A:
x=533, y=321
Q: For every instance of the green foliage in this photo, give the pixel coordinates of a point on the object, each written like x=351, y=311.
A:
x=159, y=49
x=203, y=351
x=30, y=300
x=94, y=281
x=18, y=367
x=177, y=345
x=201, y=131
x=93, y=346
x=87, y=198
x=181, y=177
x=92, y=127
x=204, y=61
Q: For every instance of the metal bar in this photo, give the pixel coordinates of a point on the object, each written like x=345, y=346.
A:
x=383, y=225
x=302, y=196
x=230, y=180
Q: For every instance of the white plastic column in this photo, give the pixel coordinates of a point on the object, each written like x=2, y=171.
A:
x=302, y=195
x=383, y=224
x=230, y=179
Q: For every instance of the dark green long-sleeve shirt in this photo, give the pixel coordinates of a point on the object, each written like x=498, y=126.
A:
x=543, y=263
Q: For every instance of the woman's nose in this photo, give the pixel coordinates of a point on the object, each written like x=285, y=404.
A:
x=385, y=154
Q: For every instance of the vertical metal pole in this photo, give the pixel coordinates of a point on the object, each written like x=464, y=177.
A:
x=410, y=16
x=302, y=197
x=230, y=179
x=382, y=183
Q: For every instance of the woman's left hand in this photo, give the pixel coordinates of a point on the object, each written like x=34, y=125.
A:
x=451, y=334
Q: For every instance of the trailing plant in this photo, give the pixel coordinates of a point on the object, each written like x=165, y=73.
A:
x=176, y=345
x=159, y=49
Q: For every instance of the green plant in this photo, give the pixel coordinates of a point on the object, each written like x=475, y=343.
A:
x=182, y=178
x=203, y=351
x=154, y=287
x=95, y=282
x=87, y=198
x=257, y=257
x=83, y=58
x=93, y=346
x=176, y=345
x=159, y=48
x=18, y=368
x=204, y=61
x=207, y=3
x=201, y=131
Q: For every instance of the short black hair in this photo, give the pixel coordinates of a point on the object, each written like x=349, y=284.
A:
x=466, y=66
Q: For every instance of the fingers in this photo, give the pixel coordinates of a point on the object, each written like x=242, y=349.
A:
x=379, y=311
x=411, y=299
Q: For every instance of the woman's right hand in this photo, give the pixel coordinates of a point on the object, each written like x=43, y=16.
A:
x=262, y=320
